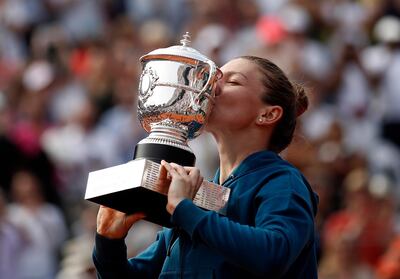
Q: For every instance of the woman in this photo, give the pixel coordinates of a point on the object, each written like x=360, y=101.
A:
x=269, y=228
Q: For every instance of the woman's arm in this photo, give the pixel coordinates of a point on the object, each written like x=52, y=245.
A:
x=110, y=253
x=268, y=248
x=110, y=259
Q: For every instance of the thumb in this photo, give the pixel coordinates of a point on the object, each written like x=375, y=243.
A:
x=163, y=173
x=131, y=219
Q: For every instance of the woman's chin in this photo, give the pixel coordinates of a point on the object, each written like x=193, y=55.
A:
x=211, y=121
x=206, y=127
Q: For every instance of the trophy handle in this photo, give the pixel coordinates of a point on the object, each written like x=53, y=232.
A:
x=196, y=100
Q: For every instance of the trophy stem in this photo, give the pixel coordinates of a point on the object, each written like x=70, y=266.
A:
x=166, y=135
x=165, y=143
x=170, y=133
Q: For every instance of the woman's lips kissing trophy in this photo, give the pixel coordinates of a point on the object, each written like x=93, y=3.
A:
x=175, y=98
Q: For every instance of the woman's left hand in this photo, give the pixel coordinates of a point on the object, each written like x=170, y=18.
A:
x=185, y=182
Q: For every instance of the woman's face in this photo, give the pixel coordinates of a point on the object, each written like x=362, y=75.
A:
x=237, y=96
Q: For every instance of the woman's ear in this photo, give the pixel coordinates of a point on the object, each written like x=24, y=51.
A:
x=270, y=115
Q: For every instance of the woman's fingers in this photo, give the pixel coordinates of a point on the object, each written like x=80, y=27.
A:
x=170, y=169
x=192, y=174
x=165, y=165
x=175, y=169
x=199, y=181
x=187, y=169
x=168, y=166
x=163, y=174
x=181, y=170
x=184, y=184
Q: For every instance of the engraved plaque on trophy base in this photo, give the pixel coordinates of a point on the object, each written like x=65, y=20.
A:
x=132, y=187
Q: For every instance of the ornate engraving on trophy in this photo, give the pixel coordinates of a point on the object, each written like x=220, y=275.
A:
x=147, y=83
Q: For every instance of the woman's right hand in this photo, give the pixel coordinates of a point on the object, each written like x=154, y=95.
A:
x=114, y=224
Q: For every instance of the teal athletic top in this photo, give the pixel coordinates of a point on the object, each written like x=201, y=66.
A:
x=268, y=232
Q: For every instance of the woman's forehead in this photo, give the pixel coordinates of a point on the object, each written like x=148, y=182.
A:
x=239, y=65
x=246, y=68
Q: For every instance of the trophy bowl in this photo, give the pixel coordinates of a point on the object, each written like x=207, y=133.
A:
x=175, y=97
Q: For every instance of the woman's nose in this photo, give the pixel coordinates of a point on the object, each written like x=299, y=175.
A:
x=217, y=87
x=219, y=74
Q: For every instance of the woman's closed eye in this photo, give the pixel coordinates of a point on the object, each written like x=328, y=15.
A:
x=233, y=82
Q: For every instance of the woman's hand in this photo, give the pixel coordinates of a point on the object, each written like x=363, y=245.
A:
x=115, y=224
x=185, y=182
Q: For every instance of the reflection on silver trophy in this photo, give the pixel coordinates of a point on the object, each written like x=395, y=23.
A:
x=175, y=98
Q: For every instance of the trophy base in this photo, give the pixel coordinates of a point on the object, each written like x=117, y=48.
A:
x=127, y=188
x=139, y=199
x=133, y=187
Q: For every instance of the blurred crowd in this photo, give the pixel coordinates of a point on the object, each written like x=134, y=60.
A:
x=69, y=74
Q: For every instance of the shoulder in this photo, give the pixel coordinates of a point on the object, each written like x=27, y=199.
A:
x=281, y=176
x=268, y=172
x=285, y=180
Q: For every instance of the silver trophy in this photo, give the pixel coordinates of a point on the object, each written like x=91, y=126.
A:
x=175, y=98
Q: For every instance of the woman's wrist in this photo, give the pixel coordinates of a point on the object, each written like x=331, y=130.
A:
x=172, y=204
x=114, y=224
x=105, y=232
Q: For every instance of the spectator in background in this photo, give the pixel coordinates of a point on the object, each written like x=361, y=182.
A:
x=310, y=59
x=339, y=260
x=321, y=180
x=11, y=155
x=76, y=263
x=154, y=34
x=388, y=31
x=350, y=83
x=389, y=265
x=81, y=20
x=210, y=41
x=120, y=122
x=42, y=224
x=21, y=128
x=173, y=12
x=355, y=237
x=30, y=120
x=243, y=36
x=78, y=147
x=12, y=55
x=12, y=242
x=341, y=233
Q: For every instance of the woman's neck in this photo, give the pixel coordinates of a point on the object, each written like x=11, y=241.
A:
x=233, y=149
